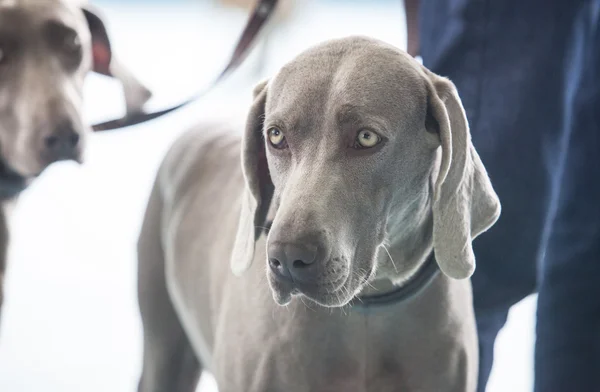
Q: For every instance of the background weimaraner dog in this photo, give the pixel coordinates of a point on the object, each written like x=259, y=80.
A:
x=46, y=49
x=362, y=160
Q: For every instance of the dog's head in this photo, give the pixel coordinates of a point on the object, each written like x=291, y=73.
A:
x=359, y=146
x=46, y=49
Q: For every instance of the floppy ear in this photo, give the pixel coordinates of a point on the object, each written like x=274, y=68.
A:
x=101, y=50
x=465, y=204
x=259, y=189
x=136, y=94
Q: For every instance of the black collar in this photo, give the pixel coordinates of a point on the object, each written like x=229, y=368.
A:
x=410, y=289
x=11, y=183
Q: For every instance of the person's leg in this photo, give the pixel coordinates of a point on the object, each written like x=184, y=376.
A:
x=489, y=323
x=567, y=355
x=506, y=59
x=493, y=298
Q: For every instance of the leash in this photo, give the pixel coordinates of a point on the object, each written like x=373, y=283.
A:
x=259, y=16
x=11, y=183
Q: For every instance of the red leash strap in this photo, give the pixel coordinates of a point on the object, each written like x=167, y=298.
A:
x=258, y=18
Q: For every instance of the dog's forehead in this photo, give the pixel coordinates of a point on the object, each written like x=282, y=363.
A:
x=27, y=16
x=354, y=72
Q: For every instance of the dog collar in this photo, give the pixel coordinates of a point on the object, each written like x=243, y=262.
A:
x=410, y=289
x=11, y=183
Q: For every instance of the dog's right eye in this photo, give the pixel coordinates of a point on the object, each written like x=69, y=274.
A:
x=64, y=41
x=276, y=138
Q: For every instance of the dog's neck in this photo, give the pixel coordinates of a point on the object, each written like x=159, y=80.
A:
x=389, y=288
x=395, y=294
x=408, y=246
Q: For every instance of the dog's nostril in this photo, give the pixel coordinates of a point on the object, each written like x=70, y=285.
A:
x=274, y=263
x=62, y=140
x=278, y=267
x=74, y=139
x=295, y=261
x=51, y=141
x=300, y=264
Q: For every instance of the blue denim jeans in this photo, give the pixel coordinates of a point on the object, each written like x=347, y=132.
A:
x=528, y=72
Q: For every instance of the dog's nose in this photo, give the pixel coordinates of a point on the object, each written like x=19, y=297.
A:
x=62, y=142
x=294, y=261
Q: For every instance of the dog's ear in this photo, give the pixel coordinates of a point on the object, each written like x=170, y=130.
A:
x=136, y=94
x=465, y=204
x=259, y=189
x=101, y=50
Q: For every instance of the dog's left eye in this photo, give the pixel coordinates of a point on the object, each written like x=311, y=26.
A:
x=71, y=43
x=366, y=139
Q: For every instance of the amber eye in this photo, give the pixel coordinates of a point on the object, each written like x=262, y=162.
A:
x=366, y=139
x=276, y=138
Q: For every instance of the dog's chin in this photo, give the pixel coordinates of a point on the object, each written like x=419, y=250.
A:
x=282, y=298
x=10, y=168
x=329, y=300
x=329, y=296
x=326, y=300
x=34, y=169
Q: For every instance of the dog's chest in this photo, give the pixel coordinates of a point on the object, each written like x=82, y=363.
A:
x=309, y=353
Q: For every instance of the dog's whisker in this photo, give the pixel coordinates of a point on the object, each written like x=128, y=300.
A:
x=306, y=306
x=349, y=294
x=390, y=256
x=363, y=277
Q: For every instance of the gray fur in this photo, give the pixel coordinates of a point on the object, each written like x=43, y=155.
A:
x=423, y=190
x=41, y=88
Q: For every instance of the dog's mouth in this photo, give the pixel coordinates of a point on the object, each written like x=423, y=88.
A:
x=331, y=278
x=334, y=292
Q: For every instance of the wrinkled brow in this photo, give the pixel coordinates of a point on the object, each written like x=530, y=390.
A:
x=353, y=115
x=349, y=114
x=14, y=22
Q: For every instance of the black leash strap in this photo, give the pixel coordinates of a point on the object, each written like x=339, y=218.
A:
x=258, y=18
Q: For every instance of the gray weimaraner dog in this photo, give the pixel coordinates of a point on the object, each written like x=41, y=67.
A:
x=358, y=184
x=46, y=49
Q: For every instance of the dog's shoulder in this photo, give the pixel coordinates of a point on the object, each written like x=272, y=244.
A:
x=203, y=152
